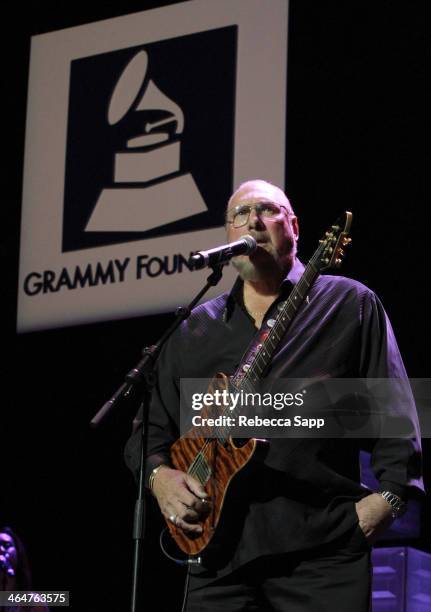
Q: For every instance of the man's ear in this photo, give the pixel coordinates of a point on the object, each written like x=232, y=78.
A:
x=295, y=226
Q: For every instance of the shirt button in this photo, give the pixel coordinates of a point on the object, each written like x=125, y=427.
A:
x=271, y=322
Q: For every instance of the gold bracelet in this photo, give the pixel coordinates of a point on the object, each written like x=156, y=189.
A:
x=153, y=474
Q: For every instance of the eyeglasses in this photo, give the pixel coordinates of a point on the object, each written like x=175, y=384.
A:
x=240, y=215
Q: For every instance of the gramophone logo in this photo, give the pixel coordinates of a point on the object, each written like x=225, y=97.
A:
x=152, y=155
x=141, y=144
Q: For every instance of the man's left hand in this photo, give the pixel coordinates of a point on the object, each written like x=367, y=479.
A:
x=375, y=516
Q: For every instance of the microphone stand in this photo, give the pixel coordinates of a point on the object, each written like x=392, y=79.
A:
x=143, y=374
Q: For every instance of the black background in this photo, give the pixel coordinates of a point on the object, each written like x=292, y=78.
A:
x=356, y=139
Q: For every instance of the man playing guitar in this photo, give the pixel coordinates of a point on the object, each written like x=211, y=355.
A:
x=302, y=533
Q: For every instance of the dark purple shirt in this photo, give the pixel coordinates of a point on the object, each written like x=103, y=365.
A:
x=303, y=494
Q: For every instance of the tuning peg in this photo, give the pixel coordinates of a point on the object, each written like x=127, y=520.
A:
x=338, y=261
x=346, y=241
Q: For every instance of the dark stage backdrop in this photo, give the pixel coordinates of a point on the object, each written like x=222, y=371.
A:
x=356, y=116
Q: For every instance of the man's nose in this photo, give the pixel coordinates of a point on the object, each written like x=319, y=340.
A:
x=255, y=220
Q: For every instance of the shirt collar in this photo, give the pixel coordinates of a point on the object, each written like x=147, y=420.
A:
x=236, y=294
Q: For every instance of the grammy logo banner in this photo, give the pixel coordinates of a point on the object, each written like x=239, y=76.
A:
x=138, y=129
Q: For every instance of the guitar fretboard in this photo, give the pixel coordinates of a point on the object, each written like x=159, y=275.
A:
x=265, y=343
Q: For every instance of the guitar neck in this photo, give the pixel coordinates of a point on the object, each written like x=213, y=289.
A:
x=259, y=355
x=257, y=359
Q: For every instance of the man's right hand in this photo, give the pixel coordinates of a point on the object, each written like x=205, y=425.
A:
x=182, y=497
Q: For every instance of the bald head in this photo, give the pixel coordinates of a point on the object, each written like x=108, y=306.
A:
x=257, y=188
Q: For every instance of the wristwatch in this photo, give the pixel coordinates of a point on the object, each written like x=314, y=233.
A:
x=398, y=506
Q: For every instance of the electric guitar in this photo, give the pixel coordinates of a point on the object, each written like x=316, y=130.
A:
x=215, y=460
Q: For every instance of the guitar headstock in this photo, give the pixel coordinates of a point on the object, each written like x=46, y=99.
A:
x=331, y=253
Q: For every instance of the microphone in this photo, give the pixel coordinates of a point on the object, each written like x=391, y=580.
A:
x=222, y=254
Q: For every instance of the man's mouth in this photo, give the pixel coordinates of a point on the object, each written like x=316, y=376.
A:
x=262, y=247
x=260, y=240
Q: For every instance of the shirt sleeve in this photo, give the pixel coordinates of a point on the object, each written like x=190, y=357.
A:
x=396, y=461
